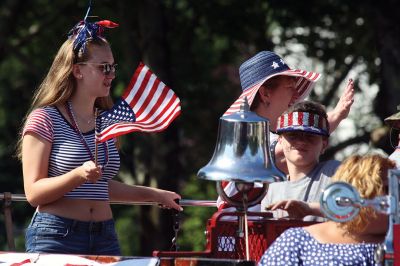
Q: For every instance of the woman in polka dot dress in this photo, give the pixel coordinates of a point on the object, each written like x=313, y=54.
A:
x=332, y=243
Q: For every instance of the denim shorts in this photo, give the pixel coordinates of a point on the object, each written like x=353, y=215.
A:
x=49, y=233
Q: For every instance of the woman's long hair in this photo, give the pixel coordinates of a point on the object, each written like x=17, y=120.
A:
x=60, y=84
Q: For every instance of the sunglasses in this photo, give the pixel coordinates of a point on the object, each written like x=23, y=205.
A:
x=106, y=68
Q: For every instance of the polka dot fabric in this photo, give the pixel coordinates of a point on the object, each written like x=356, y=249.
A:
x=297, y=247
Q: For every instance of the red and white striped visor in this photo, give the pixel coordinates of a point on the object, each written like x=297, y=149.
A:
x=303, y=121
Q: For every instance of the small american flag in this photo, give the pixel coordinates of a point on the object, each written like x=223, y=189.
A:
x=121, y=112
x=147, y=105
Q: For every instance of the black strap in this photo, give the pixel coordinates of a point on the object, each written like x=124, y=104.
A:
x=307, y=194
x=308, y=190
x=272, y=147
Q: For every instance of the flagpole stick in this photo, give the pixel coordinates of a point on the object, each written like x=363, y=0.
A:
x=95, y=136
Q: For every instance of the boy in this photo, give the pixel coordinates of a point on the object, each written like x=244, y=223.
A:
x=303, y=135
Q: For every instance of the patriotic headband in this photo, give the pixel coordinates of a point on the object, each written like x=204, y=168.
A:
x=85, y=30
x=303, y=121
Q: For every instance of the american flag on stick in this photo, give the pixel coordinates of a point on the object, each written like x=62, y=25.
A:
x=147, y=105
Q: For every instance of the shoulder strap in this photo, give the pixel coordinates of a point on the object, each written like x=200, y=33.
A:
x=312, y=176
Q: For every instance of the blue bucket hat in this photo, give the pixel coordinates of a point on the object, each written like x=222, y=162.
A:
x=263, y=66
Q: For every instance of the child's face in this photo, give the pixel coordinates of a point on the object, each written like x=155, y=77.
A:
x=301, y=148
x=281, y=96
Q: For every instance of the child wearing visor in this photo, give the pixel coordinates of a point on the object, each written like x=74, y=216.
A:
x=303, y=134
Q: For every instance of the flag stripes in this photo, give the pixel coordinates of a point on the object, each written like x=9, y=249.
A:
x=303, y=121
x=155, y=105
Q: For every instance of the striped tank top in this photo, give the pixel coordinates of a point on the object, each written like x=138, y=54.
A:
x=68, y=152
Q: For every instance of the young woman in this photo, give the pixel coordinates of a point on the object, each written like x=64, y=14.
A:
x=332, y=243
x=61, y=179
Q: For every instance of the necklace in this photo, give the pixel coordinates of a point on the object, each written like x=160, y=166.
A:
x=80, y=118
x=86, y=121
x=82, y=139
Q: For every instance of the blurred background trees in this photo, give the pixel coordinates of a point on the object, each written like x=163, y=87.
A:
x=196, y=47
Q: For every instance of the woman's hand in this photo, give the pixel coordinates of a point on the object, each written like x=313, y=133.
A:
x=166, y=199
x=119, y=191
x=88, y=171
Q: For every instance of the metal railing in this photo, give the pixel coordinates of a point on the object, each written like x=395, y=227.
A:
x=8, y=198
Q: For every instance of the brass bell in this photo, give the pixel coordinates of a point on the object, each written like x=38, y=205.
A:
x=242, y=151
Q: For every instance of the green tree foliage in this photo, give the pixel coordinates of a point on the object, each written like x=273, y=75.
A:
x=195, y=218
x=195, y=47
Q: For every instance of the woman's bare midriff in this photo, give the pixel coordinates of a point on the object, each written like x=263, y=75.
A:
x=79, y=209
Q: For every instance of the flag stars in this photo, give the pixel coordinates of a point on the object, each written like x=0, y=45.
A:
x=282, y=62
x=275, y=65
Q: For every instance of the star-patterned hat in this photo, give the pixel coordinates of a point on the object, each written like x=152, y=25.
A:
x=263, y=66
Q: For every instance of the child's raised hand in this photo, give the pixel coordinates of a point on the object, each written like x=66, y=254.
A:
x=346, y=100
x=343, y=106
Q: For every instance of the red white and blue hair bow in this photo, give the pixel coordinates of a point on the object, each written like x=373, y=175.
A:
x=85, y=30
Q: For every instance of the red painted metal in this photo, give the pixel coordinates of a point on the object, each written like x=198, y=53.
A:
x=224, y=241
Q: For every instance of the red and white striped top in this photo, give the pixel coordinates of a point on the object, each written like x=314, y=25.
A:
x=68, y=152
